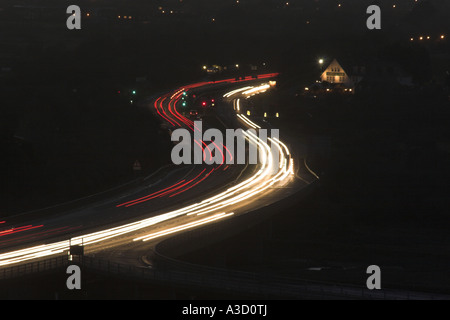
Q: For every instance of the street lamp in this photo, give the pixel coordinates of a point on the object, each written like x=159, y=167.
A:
x=321, y=61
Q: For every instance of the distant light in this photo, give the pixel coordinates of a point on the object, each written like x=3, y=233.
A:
x=205, y=67
x=88, y=14
x=306, y=89
x=321, y=61
x=442, y=36
x=248, y=112
x=265, y=114
x=394, y=6
x=420, y=38
x=277, y=115
x=428, y=37
x=412, y=39
x=237, y=66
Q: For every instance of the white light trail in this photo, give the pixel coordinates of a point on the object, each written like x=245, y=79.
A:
x=231, y=93
x=260, y=89
x=262, y=180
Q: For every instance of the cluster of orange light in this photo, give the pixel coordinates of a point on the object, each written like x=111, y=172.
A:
x=441, y=37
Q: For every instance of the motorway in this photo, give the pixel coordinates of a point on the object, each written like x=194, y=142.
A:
x=172, y=200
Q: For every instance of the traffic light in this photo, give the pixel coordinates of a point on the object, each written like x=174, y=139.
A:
x=133, y=92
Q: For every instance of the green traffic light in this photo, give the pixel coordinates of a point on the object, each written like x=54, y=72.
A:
x=134, y=91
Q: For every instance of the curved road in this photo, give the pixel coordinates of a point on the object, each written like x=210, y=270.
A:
x=182, y=199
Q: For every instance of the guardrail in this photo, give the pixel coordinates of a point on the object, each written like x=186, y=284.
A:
x=33, y=268
x=185, y=275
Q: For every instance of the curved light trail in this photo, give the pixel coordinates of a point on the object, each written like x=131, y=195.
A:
x=232, y=200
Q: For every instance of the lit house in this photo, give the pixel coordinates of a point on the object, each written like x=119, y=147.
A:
x=335, y=74
x=368, y=74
